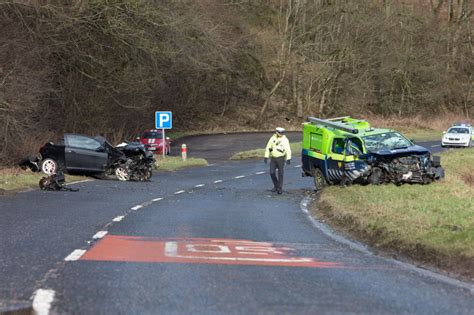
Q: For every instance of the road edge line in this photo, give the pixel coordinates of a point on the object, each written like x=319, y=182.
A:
x=326, y=230
x=80, y=181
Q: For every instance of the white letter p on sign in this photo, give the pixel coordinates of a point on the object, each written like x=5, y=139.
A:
x=164, y=118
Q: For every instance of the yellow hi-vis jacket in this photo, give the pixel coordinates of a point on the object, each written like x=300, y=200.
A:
x=278, y=147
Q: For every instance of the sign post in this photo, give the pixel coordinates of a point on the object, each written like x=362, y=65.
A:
x=163, y=120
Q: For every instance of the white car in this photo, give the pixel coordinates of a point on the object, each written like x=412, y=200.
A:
x=459, y=135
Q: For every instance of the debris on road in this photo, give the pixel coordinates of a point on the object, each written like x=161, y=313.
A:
x=55, y=182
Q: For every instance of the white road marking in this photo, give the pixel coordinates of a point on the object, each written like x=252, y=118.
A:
x=100, y=234
x=259, y=173
x=436, y=145
x=137, y=207
x=42, y=301
x=179, y=192
x=157, y=199
x=217, y=181
x=75, y=255
x=296, y=166
x=80, y=181
x=241, y=176
x=200, y=185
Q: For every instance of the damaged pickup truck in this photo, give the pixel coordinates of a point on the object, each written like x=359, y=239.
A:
x=346, y=150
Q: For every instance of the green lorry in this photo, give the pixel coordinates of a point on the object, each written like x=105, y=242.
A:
x=345, y=150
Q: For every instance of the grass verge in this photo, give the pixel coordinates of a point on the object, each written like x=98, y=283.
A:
x=16, y=179
x=433, y=224
x=259, y=153
x=173, y=163
x=421, y=134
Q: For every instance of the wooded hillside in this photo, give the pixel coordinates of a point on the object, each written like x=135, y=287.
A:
x=105, y=66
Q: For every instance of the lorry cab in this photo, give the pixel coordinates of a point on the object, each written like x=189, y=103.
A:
x=331, y=150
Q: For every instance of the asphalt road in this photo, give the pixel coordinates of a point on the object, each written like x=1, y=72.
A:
x=208, y=240
x=219, y=148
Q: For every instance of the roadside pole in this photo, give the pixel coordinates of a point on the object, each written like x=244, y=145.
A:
x=163, y=120
x=184, y=152
x=163, y=142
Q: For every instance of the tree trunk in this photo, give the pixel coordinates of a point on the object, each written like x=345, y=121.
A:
x=273, y=90
x=226, y=95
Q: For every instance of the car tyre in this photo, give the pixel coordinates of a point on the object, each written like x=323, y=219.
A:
x=122, y=173
x=439, y=173
x=148, y=173
x=375, y=178
x=319, y=180
x=49, y=166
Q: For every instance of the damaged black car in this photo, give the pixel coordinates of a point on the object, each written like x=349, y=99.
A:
x=94, y=156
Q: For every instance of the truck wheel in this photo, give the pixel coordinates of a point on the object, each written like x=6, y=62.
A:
x=49, y=166
x=319, y=180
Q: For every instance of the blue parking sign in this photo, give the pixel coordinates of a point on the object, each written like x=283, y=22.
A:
x=163, y=120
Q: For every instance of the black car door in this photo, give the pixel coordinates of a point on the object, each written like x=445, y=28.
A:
x=84, y=153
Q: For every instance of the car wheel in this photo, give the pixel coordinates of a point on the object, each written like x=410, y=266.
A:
x=122, y=173
x=375, y=178
x=439, y=173
x=148, y=173
x=49, y=166
x=319, y=180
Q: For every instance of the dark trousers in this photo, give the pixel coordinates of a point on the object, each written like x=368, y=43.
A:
x=277, y=164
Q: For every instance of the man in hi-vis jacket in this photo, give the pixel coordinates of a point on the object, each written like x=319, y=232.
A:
x=278, y=150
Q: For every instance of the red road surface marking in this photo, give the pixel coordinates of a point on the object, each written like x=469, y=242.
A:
x=198, y=250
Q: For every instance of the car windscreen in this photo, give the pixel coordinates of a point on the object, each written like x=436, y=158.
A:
x=458, y=130
x=152, y=135
x=386, y=141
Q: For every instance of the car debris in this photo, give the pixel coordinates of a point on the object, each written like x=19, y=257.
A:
x=55, y=182
x=95, y=156
x=345, y=150
x=138, y=164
